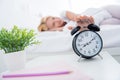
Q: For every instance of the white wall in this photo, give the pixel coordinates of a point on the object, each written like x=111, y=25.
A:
x=11, y=13
x=79, y=6
x=27, y=13
x=48, y=7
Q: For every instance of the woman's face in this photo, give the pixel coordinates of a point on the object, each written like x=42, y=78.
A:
x=54, y=23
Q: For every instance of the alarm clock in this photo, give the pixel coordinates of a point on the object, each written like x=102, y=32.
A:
x=87, y=43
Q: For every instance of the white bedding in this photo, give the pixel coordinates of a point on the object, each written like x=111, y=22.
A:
x=52, y=42
x=110, y=35
x=62, y=41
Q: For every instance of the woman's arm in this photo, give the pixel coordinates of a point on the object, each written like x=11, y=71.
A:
x=72, y=16
x=82, y=21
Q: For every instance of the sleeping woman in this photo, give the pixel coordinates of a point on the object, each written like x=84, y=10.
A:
x=68, y=21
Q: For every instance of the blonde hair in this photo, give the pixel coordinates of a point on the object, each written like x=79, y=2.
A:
x=43, y=26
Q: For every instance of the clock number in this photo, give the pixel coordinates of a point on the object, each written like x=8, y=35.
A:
x=89, y=51
x=79, y=40
x=80, y=49
x=91, y=35
x=96, y=46
x=78, y=44
x=86, y=34
x=84, y=52
x=96, y=42
x=82, y=36
x=94, y=50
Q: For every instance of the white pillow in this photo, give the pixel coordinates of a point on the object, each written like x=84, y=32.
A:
x=114, y=10
x=112, y=21
x=100, y=16
x=52, y=41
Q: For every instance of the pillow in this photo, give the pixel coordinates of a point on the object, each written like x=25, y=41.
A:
x=52, y=41
x=114, y=10
x=101, y=16
x=112, y=21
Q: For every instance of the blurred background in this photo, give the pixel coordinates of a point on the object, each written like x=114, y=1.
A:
x=27, y=13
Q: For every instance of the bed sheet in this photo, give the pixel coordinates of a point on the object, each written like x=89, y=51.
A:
x=62, y=41
x=110, y=35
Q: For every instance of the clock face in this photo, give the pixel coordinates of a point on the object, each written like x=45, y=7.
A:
x=87, y=43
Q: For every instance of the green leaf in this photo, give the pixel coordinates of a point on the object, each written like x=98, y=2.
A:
x=16, y=39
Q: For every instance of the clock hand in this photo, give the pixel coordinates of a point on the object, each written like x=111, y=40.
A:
x=85, y=45
x=89, y=42
x=81, y=44
x=92, y=40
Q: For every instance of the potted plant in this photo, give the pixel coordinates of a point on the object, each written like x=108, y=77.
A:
x=14, y=42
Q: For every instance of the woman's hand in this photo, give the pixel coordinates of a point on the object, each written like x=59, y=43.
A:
x=84, y=21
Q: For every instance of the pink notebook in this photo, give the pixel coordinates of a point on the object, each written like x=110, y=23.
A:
x=53, y=71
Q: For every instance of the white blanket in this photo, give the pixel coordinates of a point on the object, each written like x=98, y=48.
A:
x=110, y=35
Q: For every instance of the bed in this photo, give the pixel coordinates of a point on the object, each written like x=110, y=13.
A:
x=52, y=42
x=62, y=41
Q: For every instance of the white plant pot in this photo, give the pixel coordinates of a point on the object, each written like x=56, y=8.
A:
x=2, y=64
x=15, y=60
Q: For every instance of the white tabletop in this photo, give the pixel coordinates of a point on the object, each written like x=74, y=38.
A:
x=100, y=69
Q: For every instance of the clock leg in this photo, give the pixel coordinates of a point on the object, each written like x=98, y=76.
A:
x=79, y=58
x=100, y=56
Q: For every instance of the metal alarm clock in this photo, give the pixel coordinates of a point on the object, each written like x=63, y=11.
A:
x=87, y=43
